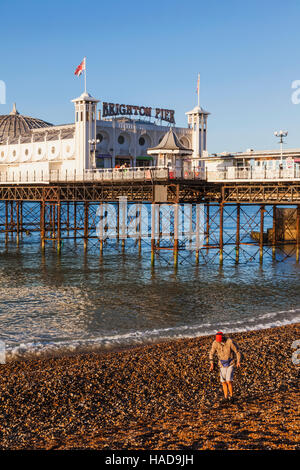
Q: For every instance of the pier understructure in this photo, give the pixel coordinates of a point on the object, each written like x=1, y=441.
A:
x=172, y=221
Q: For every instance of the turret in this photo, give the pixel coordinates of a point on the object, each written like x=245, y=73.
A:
x=197, y=120
x=85, y=131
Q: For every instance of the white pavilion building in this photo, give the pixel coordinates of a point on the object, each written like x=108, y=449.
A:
x=35, y=150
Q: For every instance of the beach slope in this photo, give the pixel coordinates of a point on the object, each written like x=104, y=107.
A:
x=157, y=397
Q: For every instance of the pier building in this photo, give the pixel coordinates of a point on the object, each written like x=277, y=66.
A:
x=33, y=150
x=253, y=165
x=56, y=180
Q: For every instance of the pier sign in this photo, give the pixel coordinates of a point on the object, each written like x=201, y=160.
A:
x=116, y=109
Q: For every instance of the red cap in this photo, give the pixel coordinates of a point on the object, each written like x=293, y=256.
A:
x=219, y=336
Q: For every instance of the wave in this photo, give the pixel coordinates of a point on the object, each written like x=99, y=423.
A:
x=44, y=349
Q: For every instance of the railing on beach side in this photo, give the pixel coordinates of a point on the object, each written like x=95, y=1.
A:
x=99, y=175
x=234, y=174
x=144, y=174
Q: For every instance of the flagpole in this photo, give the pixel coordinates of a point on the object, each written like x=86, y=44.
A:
x=85, y=75
x=199, y=90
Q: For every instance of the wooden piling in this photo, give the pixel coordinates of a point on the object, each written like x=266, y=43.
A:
x=297, y=233
x=6, y=222
x=158, y=226
x=221, y=241
x=75, y=219
x=207, y=227
x=197, y=233
x=138, y=227
x=101, y=228
x=237, y=239
x=68, y=218
x=118, y=222
x=176, y=243
x=11, y=224
x=42, y=224
x=86, y=225
x=18, y=221
x=123, y=222
x=274, y=233
x=58, y=218
x=21, y=217
x=261, y=233
x=153, y=234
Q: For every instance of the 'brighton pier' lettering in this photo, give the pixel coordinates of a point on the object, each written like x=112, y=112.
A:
x=116, y=109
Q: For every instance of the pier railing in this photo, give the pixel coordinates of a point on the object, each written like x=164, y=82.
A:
x=234, y=174
x=144, y=174
x=98, y=175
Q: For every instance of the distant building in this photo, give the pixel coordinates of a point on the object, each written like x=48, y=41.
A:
x=253, y=164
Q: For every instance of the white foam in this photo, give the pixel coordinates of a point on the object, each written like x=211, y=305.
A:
x=40, y=349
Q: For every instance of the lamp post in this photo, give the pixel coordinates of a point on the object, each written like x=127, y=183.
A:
x=93, y=143
x=281, y=135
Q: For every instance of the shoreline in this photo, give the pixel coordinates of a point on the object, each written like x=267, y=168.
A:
x=158, y=396
x=100, y=349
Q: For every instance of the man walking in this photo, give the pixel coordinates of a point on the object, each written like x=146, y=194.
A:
x=226, y=351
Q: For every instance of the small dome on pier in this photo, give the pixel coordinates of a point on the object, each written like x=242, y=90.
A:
x=14, y=124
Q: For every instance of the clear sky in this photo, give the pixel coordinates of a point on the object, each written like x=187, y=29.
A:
x=150, y=52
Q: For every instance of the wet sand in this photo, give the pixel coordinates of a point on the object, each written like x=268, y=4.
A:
x=157, y=397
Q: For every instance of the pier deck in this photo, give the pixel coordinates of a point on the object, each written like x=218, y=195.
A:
x=169, y=190
x=71, y=210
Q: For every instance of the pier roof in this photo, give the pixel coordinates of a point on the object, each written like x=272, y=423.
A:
x=197, y=110
x=14, y=124
x=170, y=144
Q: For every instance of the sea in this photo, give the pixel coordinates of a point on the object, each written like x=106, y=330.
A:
x=73, y=302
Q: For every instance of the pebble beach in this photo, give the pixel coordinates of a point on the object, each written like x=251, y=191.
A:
x=155, y=397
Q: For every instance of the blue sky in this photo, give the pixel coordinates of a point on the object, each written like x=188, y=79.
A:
x=149, y=53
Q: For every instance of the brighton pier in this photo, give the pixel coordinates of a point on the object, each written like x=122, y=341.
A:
x=59, y=183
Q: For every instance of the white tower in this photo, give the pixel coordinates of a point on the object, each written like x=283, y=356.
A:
x=85, y=131
x=197, y=120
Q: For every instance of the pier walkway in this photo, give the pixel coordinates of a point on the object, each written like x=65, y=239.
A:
x=229, y=174
x=61, y=207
